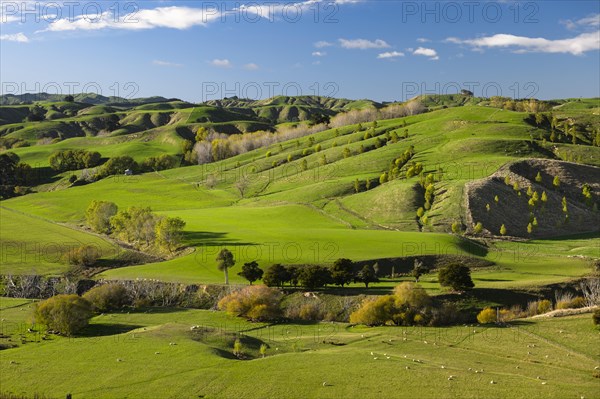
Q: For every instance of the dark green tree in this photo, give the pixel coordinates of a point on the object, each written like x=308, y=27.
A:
x=225, y=260
x=456, y=276
x=251, y=272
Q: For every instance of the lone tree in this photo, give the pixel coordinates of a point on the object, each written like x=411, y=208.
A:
x=342, y=271
x=251, y=272
x=456, y=276
x=225, y=260
x=418, y=270
x=367, y=275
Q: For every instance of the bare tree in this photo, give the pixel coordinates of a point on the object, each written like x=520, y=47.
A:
x=591, y=291
x=241, y=185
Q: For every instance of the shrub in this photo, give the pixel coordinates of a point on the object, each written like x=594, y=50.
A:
x=596, y=316
x=255, y=302
x=98, y=215
x=66, y=314
x=487, y=316
x=107, y=297
x=506, y=315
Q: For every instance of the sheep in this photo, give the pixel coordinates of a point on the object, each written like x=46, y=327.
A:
x=375, y=358
x=172, y=343
x=492, y=382
x=119, y=360
x=157, y=353
x=443, y=366
x=408, y=368
x=544, y=383
x=325, y=384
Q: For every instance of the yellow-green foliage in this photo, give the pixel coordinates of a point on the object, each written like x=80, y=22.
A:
x=408, y=306
x=486, y=316
x=256, y=302
x=66, y=314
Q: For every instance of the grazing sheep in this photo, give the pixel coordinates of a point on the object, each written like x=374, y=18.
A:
x=172, y=343
x=157, y=353
x=325, y=384
x=408, y=368
x=375, y=358
x=544, y=383
x=119, y=360
x=443, y=367
x=492, y=382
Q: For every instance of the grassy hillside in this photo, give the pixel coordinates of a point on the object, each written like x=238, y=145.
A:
x=156, y=352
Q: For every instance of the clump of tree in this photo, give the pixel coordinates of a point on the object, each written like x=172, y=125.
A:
x=342, y=272
x=64, y=160
x=455, y=276
x=64, y=314
x=409, y=305
x=161, y=162
x=255, y=302
x=15, y=175
x=366, y=275
x=118, y=166
x=138, y=226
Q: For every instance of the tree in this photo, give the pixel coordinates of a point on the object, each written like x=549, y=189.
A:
x=225, y=260
x=503, y=230
x=456, y=227
x=251, y=272
x=538, y=177
x=169, y=233
x=342, y=271
x=556, y=182
x=69, y=98
x=356, y=186
x=118, y=166
x=529, y=228
x=478, y=228
x=98, y=214
x=456, y=276
x=241, y=185
x=418, y=270
x=367, y=275
x=238, y=348
x=66, y=314
x=314, y=276
x=276, y=275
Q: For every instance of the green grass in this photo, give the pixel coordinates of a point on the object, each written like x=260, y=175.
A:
x=300, y=358
x=31, y=245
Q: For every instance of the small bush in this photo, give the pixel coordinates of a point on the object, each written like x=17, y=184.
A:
x=66, y=314
x=257, y=303
x=107, y=297
x=506, y=315
x=487, y=316
x=596, y=317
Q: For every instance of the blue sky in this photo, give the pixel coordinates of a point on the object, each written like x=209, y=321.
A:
x=382, y=50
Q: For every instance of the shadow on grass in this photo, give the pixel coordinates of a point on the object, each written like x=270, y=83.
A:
x=106, y=329
x=499, y=296
x=211, y=238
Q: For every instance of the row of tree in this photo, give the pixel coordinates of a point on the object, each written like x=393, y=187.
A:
x=64, y=160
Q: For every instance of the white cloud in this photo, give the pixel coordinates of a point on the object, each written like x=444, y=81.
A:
x=251, y=67
x=576, y=45
x=423, y=40
x=390, y=54
x=162, y=17
x=592, y=20
x=427, y=52
x=319, y=54
x=224, y=63
x=363, y=44
x=322, y=44
x=166, y=63
x=16, y=37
